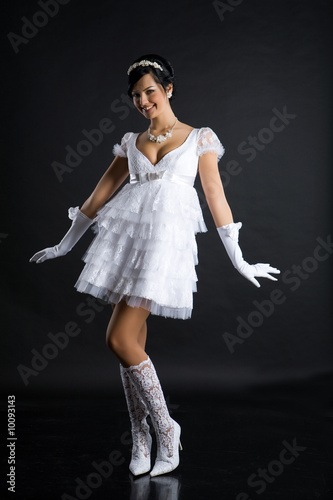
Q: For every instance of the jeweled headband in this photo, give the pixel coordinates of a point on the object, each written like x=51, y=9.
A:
x=144, y=62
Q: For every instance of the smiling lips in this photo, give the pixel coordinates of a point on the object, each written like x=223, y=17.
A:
x=148, y=109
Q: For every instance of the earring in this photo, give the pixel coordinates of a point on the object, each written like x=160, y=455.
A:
x=169, y=94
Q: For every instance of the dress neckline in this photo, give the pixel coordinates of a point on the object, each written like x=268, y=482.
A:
x=166, y=154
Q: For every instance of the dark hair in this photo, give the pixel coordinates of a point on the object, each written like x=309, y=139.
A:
x=164, y=77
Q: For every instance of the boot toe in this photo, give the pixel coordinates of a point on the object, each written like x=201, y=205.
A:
x=162, y=467
x=138, y=467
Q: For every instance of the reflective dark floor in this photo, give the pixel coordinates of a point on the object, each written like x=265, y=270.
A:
x=272, y=443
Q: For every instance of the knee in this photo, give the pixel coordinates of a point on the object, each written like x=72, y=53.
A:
x=143, y=329
x=111, y=342
x=116, y=342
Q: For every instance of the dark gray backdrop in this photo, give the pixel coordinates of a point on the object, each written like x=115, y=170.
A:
x=238, y=65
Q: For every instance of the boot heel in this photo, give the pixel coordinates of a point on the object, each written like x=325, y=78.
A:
x=180, y=445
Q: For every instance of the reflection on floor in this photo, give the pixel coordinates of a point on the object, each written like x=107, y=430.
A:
x=275, y=441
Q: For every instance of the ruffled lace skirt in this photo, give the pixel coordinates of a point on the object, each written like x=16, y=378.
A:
x=145, y=249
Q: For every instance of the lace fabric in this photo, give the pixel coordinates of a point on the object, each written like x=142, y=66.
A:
x=140, y=461
x=208, y=142
x=145, y=379
x=145, y=250
x=121, y=149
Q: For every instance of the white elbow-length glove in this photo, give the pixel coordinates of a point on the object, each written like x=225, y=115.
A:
x=229, y=236
x=79, y=226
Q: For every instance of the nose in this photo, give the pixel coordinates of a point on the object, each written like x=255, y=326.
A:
x=144, y=102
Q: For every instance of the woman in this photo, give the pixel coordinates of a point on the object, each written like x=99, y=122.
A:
x=142, y=260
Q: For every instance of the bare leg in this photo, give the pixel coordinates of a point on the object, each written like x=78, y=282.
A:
x=127, y=332
x=143, y=336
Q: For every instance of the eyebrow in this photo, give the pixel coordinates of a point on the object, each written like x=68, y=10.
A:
x=145, y=89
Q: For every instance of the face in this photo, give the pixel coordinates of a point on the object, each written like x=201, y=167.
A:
x=149, y=97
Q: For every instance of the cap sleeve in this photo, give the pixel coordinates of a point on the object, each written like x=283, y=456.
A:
x=121, y=149
x=209, y=142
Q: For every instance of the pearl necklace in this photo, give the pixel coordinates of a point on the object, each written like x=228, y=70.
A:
x=162, y=137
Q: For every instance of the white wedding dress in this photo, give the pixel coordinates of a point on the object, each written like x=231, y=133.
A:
x=145, y=248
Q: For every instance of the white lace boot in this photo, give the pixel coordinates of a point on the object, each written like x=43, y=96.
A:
x=167, y=430
x=140, y=461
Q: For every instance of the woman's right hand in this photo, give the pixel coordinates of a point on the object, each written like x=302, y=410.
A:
x=46, y=254
x=79, y=226
x=108, y=184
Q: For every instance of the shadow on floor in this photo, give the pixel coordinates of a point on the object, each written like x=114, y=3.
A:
x=269, y=443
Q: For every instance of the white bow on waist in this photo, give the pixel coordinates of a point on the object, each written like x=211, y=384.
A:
x=162, y=174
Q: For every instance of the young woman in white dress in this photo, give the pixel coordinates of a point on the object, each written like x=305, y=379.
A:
x=162, y=163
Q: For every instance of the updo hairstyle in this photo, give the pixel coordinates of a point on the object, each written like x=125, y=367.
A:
x=164, y=77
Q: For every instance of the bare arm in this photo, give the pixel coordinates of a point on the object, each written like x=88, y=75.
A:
x=220, y=210
x=213, y=189
x=108, y=184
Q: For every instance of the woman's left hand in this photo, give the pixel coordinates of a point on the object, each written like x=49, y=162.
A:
x=229, y=236
x=261, y=270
